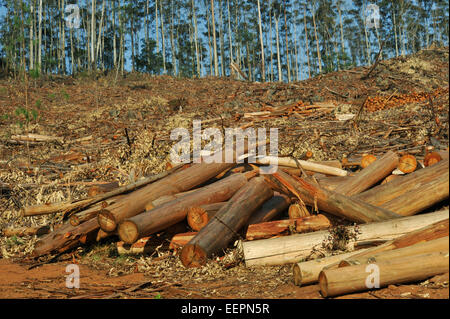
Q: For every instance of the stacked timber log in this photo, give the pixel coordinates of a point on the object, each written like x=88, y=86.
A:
x=391, y=204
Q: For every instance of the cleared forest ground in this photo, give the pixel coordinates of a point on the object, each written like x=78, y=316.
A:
x=118, y=131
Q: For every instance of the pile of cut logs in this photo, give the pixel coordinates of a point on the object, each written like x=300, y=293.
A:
x=279, y=218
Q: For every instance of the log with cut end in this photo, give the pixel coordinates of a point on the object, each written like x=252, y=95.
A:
x=175, y=211
x=433, y=231
x=435, y=245
x=306, y=165
x=381, y=194
x=180, y=240
x=142, y=246
x=339, y=281
x=420, y=198
x=218, y=233
x=298, y=210
x=328, y=201
x=78, y=218
x=407, y=163
x=369, y=176
x=287, y=226
x=198, y=216
x=307, y=272
x=291, y=249
x=180, y=181
x=270, y=209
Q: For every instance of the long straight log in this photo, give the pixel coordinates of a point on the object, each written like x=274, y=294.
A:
x=287, y=226
x=339, y=281
x=180, y=181
x=306, y=165
x=218, y=233
x=429, y=232
x=198, y=216
x=175, y=211
x=270, y=209
x=82, y=204
x=420, y=198
x=307, y=272
x=328, y=201
x=381, y=194
x=293, y=248
x=436, y=245
x=370, y=175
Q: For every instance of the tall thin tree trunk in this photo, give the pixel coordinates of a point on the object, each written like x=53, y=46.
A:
x=280, y=74
x=40, y=37
x=162, y=37
x=319, y=58
x=306, y=41
x=263, y=60
x=213, y=22
x=93, y=61
x=287, y=45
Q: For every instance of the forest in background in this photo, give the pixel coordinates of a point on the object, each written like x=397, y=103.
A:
x=276, y=40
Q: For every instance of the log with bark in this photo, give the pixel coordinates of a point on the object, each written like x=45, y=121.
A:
x=420, y=198
x=91, y=212
x=270, y=209
x=175, y=211
x=370, y=175
x=293, y=248
x=287, y=226
x=95, y=190
x=328, y=201
x=218, y=233
x=180, y=181
x=82, y=204
x=339, y=281
x=381, y=194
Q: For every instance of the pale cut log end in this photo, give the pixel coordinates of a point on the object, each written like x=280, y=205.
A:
x=106, y=220
x=192, y=256
x=128, y=232
x=297, y=275
x=323, y=284
x=197, y=218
